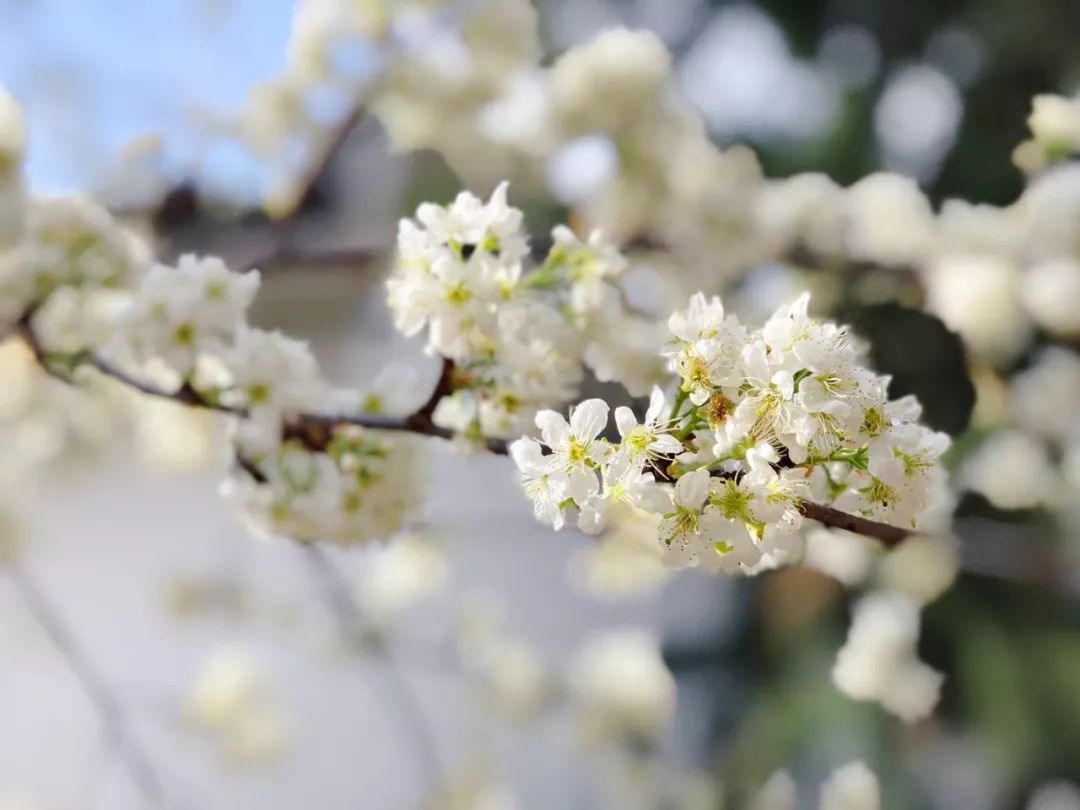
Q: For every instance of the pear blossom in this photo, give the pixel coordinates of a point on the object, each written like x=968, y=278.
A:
x=271, y=371
x=765, y=420
x=576, y=447
x=624, y=482
x=590, y=266
x=648, y=438
x=545, y=491
x=707, y=345
x=193, y=309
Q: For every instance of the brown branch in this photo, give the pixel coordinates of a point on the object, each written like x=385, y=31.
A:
x=186, y=394
x=24, y=328
x=315, y=431
x=828, y=516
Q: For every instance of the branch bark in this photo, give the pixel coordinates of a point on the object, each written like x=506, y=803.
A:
x=886, y=533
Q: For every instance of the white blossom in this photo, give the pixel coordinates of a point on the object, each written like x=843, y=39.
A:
x=923, y=567
x=627, y=69
x=851, y=787
x=398, y=577
x=271, y=371
x=649, y=438
x=1050, y=290
x=577, y=451
x=621, y=687
x=879, y=661
x=889, y=220
x=67, y=241
x=980, y=298
x=764, y=420
x=1054, y=795
x=194, y=309
x=1055, y=133
x=1030, y=479
x=1039, y=392
x=231, y=699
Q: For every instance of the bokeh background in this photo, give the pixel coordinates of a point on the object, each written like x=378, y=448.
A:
x=156, y=582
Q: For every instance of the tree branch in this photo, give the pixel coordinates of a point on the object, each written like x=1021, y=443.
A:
x=888, y=534
x=315, y=431
x=108, y=707
x=343, y=609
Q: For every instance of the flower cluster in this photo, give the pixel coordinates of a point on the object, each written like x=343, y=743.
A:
x=763, y=421
x=84, y=288
x=518, y=337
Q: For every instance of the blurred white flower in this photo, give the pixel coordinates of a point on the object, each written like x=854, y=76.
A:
x=1012, y=470
x=508, y=675
x=980, y=298
x=1054, y=795
x=1050, y=292
x=230, y=698
x=1044, y=394
x=623, y=562
x=843, y=556
x=182, y=312
x=397, y=577
x=778, y=793
x=1055, y=133
x=879, y=660
x=621, y=687
x=627, y=69
x=851, y=787
x=922, y=566
x=889, y=221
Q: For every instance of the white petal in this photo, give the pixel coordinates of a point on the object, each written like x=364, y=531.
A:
x=625, y=420
x=692, y=489
x=553, y=428
x=593, y=515
x=656, y=406
x=666, y=443
x=581, y=485
x=588, y=419
x=498, y=196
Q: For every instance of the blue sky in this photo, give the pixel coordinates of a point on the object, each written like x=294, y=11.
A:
x=93, y=74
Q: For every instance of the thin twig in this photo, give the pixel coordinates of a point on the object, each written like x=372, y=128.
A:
x=108, y=707
x=330, y=150
x=186, y=394
x=343, y=609
x=288, y=255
